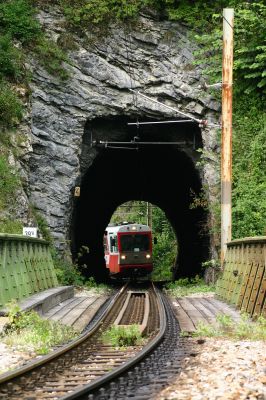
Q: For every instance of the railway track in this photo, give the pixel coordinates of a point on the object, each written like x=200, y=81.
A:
x=88, y=369
x=86, y=359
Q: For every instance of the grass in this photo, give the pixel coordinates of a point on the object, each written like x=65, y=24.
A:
x=187, y=286
x=9, y=182
x=27, y=331
x=11, y=226
x=99, y=288
x=123, y=336
x=226, y=327
x=11, y=109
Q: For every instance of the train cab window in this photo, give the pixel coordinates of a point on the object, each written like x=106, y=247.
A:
x=135, y=242
x=113, y=244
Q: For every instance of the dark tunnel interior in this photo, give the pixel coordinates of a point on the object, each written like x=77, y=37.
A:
x=164, y=175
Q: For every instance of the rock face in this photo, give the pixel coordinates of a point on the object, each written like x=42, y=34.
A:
x=156, y=58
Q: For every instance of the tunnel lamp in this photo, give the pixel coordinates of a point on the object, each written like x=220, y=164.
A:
x=123, y=257
x=148, y=256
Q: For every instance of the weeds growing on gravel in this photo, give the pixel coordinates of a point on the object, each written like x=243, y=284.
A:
x=100, y=288
x=123, y=336
x=226, y=327
x=28, y=331
x=188, y=286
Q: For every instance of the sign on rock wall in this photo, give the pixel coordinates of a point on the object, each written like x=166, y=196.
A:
x=243, y=282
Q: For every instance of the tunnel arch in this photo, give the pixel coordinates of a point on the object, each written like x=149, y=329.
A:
x=164, y=175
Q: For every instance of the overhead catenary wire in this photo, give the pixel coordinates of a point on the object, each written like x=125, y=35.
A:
x=200, y=121
x=181, y=121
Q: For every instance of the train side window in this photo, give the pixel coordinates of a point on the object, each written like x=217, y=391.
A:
x=105, y=244
x=113, y=243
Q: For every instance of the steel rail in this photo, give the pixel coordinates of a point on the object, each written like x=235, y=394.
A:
x=8, y=376
x=115, y=373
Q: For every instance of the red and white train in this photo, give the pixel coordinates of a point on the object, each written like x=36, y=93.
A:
x=128, y=249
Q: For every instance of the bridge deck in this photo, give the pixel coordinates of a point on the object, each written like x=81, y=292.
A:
x=77, y=311
x=191, y=310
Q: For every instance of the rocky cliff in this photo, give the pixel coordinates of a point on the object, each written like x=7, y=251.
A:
x=152, y=56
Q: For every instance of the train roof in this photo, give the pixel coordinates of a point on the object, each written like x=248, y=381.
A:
x=128, y=228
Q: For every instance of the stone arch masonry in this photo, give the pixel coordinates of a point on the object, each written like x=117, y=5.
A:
x=161, y=58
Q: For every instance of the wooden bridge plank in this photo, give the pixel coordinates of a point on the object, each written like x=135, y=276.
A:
x=255, y=289
x=258, y=310
x=244, y=285
x=221, y=308
x=75, y=312
x=65, y=310
x=195, y=315
x=183, y=318
x=249, y=287
x=89, y=313
x=207, y=314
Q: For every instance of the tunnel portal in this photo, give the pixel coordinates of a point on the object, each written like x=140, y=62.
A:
x=164, y=175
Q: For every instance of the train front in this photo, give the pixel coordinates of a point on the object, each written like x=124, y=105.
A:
x=135, y=250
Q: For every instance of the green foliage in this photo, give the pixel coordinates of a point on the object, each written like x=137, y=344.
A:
x=52, y=58
x=82, y=12
x=186, y=287
x=249, y=176
x=240, y=330
x=67, y=272
x=250, y=46
x=42, y=225
x=11, y=59
x=17, y=19
x=11, y=226
x=122, y=336
x=10, y=106
x=131, y=211
x=249, y=168
x=27, y=331
x=249, y=37
x=165, y=251
x=9, y=182
x=91, y=284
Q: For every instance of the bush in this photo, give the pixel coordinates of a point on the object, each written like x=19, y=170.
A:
x=91, y=284
x=188, y=286
x=9, y=182
x=11, y=58
x=249, y=168
x=52, y=57
x=17, y=19
x=28, y=331
x=82, y=12
x=11, y=109
x=67, y=272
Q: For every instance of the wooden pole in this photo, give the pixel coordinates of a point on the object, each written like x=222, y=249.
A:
x=226, y=145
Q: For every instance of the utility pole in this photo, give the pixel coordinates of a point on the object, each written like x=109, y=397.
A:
x=226, y=145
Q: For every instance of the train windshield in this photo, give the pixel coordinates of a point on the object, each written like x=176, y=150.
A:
x=134, y=242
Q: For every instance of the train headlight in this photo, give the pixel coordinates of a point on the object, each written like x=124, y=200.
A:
x=148, y=256
x=123, y=257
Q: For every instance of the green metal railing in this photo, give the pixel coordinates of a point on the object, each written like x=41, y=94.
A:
x=26, y=267
x=243, y=282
